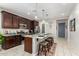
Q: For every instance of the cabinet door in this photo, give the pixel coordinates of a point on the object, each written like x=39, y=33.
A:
x=22, y=20
x=15, y=21
x=28, y=44
x=9, y=42
x=6, y=20
x=27, y=23
x=18, y=40
x=36, y=23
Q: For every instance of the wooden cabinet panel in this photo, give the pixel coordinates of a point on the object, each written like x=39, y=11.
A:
x=28, y=44
x=18, y=40
x=36, y=23
x=11, y=41
x=15, y=21
x=7, y=20
x=25, y=21
x=22, y=20
x=28, y=23
x=33, y=24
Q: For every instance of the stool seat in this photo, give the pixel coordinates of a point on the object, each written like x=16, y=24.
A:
x=43, y=47
x=44, y=43
x=50, y=40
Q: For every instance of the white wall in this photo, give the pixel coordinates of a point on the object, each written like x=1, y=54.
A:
x=53, y=28
x=73, y=37
x=49, y=27
x=46, y=26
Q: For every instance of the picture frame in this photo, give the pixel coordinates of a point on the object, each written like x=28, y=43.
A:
x=72, y=25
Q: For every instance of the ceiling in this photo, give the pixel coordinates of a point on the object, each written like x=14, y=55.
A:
x=28, y=10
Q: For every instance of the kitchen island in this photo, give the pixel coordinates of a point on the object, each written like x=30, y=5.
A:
x=31, y=42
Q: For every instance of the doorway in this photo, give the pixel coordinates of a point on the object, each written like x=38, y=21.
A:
x=43, y=28
x=61, y=30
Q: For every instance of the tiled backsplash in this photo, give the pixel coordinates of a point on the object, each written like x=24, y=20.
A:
x=3, y=31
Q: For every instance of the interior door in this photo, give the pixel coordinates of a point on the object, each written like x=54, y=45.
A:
x=61, y=29
x=43, y=28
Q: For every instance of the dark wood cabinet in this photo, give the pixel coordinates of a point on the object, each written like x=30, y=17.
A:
x=33, y=24
x=6, y=20
x=15, y=22
x=11, y=41
x=28, y=44
x=28, y=24
x=10, y=20
x=22, y=20
x=25, y=21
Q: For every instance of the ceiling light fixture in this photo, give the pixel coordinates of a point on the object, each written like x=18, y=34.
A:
x=43, y=11
x=44, y=14
x=36, y=17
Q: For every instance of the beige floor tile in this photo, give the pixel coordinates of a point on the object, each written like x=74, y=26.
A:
x=16, y=51
x=62, y=49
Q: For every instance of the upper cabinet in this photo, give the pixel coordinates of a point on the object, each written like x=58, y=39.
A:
x=10, y=20
x=22, y=20
x=15, y=21
x=28, y=23
x=6, y=20
x=33, y=25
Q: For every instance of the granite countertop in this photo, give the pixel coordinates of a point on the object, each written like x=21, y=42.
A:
x=24, y=35
x=39, y=36
x=10, y=34
x=33, y=35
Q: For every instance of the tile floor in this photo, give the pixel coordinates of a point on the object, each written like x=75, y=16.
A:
x=16, y=51
x=62, y=49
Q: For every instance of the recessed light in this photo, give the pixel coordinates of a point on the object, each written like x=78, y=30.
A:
x=36, y=17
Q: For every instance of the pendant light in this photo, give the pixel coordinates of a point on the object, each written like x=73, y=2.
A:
x=43, y=11
x=36, y=17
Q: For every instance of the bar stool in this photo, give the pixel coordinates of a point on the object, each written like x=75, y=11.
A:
x=43, y=48
x=51, y=41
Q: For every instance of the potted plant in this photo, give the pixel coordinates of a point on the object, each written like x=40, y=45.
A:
x=1, y=39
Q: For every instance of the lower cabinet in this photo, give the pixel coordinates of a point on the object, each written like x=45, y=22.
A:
x=11, y=41
x=28, y=44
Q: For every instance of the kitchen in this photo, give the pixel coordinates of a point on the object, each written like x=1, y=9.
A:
x=28, y=25
x=17, y=29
